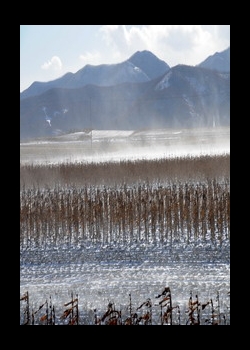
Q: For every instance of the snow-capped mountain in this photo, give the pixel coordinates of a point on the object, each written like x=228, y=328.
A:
x=183, y=97
x=129, y=95
x=140, y=67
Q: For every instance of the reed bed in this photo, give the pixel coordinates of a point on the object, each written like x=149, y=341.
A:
x=120, y=204
x=144, y=213
x=159, y=210
x=167, y=312
x=165, y=170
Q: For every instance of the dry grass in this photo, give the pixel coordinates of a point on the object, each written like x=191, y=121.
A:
x=166, y=170
x=145, y=201
x=165, y=309
x=146, y=212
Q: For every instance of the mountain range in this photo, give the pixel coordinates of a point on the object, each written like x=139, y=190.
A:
x=141, y=92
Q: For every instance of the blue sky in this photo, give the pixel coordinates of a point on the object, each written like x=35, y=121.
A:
x=47, y=52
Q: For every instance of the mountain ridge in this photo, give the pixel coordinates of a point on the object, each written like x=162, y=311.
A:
x=142, y=66
x=125, y=96
x=183, y=97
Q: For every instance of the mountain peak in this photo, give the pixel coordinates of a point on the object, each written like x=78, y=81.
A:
x=140, y=67
x=143, y=53
x=149, y=63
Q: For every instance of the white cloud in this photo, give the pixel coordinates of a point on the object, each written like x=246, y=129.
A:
x=187, y=44
x=92, y=58
x=117, y=39
x=55, y=64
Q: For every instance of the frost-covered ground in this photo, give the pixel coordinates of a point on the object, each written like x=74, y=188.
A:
x=99, y=274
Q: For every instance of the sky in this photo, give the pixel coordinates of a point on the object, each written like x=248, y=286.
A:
x=47, y=52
